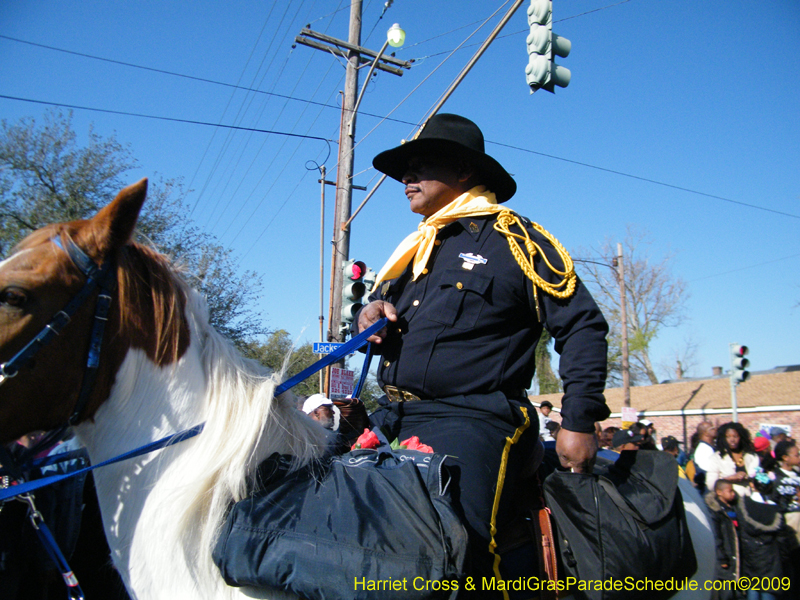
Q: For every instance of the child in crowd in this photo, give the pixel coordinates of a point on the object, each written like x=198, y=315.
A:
x=721, y=502
x=786, y=489
x=752, y=538
x=764, y=451
x=546, y=407
x=766, y=544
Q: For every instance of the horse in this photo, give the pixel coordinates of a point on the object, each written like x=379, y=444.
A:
x=162, y=368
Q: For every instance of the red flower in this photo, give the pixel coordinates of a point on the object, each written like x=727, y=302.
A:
x=413, y=443
x=368, y=439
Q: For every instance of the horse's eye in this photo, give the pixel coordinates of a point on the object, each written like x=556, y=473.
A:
x=13, y=297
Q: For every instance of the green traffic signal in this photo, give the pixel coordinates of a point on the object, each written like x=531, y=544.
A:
x=543, y=46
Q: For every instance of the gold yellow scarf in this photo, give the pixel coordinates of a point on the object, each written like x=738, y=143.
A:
x=419, y=245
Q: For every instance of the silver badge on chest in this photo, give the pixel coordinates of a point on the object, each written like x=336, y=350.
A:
x=470, y=260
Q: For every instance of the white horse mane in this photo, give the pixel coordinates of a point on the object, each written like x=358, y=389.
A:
x=162, y=514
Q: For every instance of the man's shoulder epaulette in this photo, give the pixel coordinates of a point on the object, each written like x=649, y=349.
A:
x=525, y=220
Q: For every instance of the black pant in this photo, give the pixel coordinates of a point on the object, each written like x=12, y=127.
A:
x=488, y=440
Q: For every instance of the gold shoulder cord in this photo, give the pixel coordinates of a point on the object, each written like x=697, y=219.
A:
x=566, y=287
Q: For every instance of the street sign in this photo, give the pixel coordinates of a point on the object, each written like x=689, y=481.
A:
x=341, y=383
x=325, y=347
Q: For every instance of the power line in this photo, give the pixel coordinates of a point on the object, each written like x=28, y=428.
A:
x=280, y=208
x=264, y=174
x=588, y=12
x=341, y=8
x=227, y=149
x=173, y=119
x=327, y=140
x=191, y=77
x=279, y=152
x=744, y=268
x=244, y=107
x=224, y=112
x=645, y=179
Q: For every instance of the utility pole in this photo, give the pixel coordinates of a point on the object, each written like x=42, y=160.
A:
x=352, y=51
x=344, y=173
x=623, y=313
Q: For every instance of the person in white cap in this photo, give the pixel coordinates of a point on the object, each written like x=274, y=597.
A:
x=321, y=409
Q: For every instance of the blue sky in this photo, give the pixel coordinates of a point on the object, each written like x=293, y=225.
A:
x=681, y=119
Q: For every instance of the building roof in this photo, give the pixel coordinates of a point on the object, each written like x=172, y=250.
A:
x=778, y=387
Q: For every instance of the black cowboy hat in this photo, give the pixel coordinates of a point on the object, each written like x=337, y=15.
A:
x=447, y=134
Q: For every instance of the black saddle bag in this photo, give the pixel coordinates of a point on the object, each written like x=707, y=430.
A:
x=361, y=525
x=624, y=522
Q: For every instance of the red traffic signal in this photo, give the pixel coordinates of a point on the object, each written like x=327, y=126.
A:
x=738, y=350
x=353, y=290
x=354, y=270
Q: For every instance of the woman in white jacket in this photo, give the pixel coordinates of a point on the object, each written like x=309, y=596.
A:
x=735, y=459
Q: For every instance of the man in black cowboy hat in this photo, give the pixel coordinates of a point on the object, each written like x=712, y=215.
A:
x=467, y=296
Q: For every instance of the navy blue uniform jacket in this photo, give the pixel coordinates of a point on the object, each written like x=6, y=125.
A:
x=464, y=330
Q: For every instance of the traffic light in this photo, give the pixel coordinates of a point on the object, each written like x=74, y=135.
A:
x=353, y=290
x=739, y=364
x=543, y=47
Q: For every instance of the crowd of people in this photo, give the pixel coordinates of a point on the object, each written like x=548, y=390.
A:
x=751, y=486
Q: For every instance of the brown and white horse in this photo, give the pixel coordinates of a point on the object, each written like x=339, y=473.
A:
x=162, y=369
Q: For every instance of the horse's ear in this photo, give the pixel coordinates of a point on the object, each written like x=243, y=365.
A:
x=112, y=227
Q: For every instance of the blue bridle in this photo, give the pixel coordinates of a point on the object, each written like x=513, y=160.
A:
x=98, y=277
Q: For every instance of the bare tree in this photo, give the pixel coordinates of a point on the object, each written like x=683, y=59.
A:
x=681, y=361
x=46, y=176
x=655, y=299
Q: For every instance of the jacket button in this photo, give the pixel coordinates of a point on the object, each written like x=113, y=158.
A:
x=460, y=285
x=415, y=303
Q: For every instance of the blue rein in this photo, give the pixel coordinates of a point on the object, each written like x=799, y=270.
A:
x=347, y=348
x=101, y=277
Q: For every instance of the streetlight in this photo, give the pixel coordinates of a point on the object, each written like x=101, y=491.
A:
x=395, y=38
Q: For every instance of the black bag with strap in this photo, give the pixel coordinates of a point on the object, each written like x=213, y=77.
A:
x=624, y=520
x=362, y=525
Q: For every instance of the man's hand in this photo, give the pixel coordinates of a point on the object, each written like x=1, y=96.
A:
x=371, y=313
x=576, y=451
